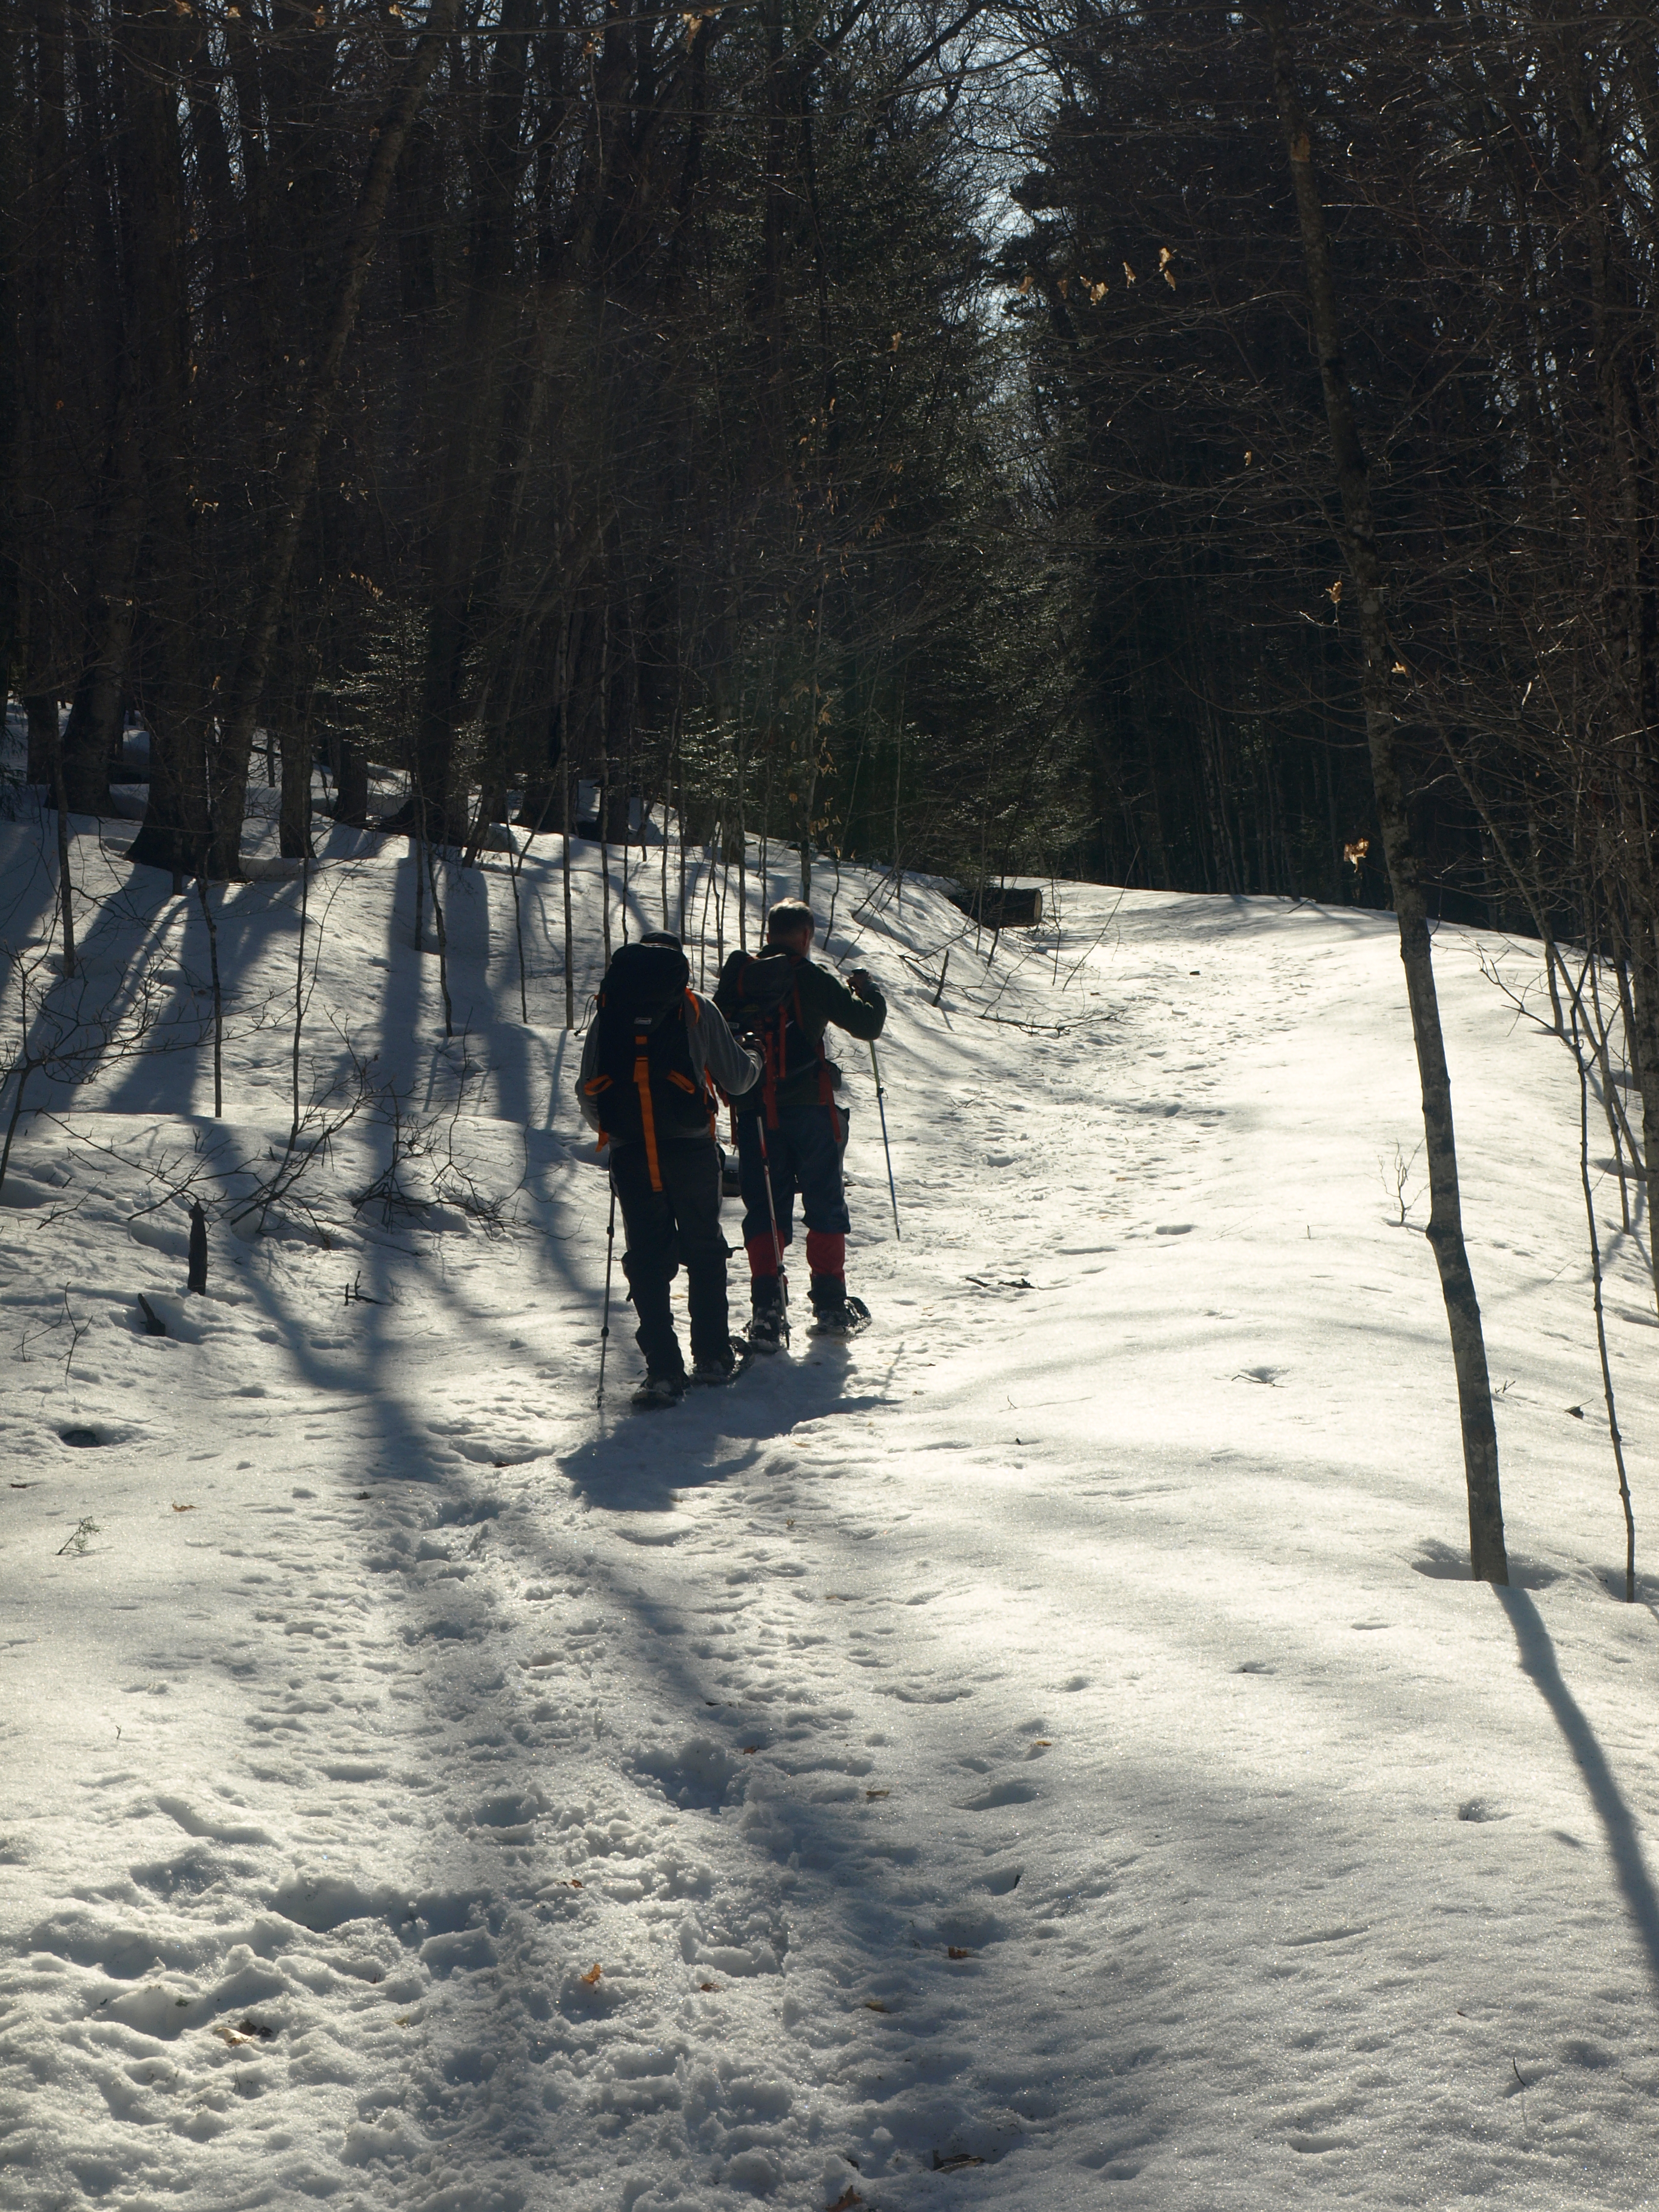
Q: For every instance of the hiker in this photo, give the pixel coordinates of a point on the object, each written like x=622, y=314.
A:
x=652, y=1049
x=791, y=1133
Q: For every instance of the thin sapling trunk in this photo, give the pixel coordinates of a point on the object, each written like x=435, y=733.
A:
x=1487, y=1557
x=1617, y=1441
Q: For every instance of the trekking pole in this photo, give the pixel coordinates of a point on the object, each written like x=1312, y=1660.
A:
x=881, y=1096
x=772, y=1209
x=604, y=1332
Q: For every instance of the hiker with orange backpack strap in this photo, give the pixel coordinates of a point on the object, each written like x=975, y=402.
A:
x=790, y=1131
x=652, y=1050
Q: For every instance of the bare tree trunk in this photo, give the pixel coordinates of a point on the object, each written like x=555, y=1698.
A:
x=65, y=889
x=218, y=1000
x=569, y=926
x=1614, y=1437
x=298, y=474
x=294, y=823
x=1488, y=1560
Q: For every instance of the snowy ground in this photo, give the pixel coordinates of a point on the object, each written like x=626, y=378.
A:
x=1045, y=1753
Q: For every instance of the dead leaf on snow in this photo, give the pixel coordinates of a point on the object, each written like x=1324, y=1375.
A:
x=848, y=2197
x=592, y=1973
x=878, y=1793
x=956, y=1951
x=708, y=1987
x=750, y=1749
x=184, y=1508
x=955, y=2163
x=874, y=2004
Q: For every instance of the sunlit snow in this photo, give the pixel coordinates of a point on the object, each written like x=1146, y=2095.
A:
x=1047, y=1753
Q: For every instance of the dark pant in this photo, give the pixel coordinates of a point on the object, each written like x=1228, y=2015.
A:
x=678, y=1224
x=804, y=1153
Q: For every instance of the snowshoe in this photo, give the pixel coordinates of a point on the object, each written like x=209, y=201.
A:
x=769, y=1326
x=715, y=1373
x=768, y=1329
x=845, y=1317
x=658, y=1392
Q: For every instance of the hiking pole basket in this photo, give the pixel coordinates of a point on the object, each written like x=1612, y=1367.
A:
x=605, y=1329
x=881, y=1108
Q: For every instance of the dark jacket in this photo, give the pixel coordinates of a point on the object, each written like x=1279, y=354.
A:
x=818, y=1000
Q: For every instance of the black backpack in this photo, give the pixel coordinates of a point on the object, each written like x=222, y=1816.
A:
x=644, y=1081
x=760, y=998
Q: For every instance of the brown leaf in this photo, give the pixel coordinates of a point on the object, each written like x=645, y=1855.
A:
x=708, y=1987
x=750, y=1749
x=956, y=1951
x=848, y=2197
x=955, y=2163
x=874, y=2004
x=592, y=1973
x=1128, y=274
x=873, y=1794
x=184, y=1508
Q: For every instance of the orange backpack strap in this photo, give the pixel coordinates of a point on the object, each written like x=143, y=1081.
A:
x=647, y=1119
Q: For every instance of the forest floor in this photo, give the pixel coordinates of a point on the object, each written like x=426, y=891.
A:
x=1046, y=1753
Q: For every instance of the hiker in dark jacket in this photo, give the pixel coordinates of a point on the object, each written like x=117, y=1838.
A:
x=791, y=1124
x=653, y=1046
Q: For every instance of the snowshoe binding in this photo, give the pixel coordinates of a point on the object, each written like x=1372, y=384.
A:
x=658, y=1392
x=717, y=1372
x=769, y=1327
x=841, y=1318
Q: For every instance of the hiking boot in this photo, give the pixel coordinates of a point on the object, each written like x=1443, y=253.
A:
x=721, y=1366
x=657, y=1391
x=769, y=1326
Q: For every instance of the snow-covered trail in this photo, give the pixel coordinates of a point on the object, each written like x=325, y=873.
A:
x=1051, y=1731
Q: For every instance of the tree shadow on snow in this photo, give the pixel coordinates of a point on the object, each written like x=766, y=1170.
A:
x=641, y=1463
x=1538, y=1659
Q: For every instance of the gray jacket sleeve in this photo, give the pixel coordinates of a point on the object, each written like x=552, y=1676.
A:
x=715, y=1049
